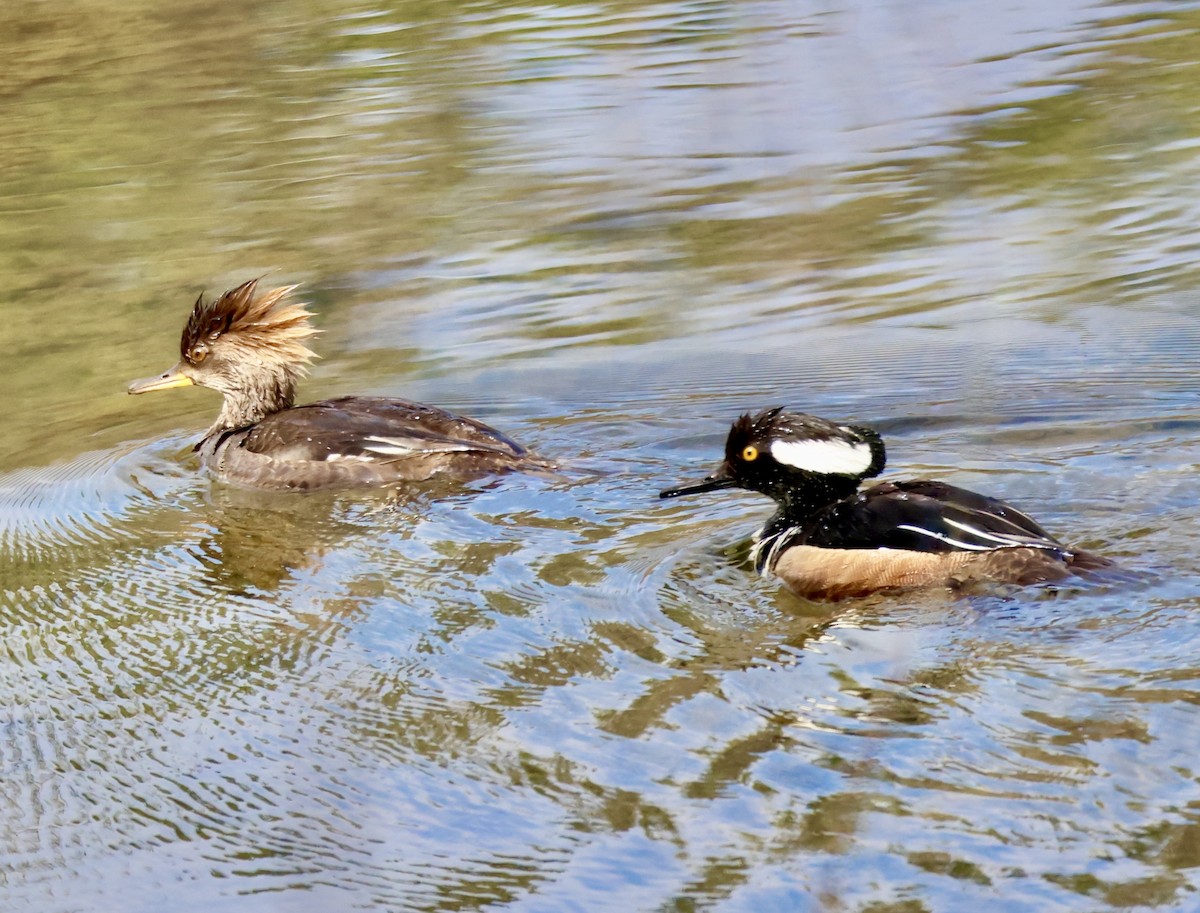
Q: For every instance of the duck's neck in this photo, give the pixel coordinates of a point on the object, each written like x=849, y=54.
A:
x=253, y=400
x=799, y=503
x=799, y=507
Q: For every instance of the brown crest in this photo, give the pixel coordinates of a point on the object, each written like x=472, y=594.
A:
x=269, y=321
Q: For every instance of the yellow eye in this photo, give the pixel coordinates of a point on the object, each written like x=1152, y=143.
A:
x=198, y=354
x=750, y=453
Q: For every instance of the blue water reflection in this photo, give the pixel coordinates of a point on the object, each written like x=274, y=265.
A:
x=608, y=229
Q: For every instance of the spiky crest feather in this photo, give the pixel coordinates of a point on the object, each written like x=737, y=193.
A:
x=270, y=322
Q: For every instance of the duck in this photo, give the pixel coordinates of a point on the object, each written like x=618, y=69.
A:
x=250, y=345
x=831, y=539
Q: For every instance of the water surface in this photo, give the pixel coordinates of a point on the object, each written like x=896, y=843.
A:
x=607, y=229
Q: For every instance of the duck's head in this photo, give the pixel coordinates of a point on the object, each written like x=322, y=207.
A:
x=239, y=336
x=780, y=453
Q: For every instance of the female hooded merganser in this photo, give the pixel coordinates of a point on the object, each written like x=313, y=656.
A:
x=250, y=347
x=830, y=540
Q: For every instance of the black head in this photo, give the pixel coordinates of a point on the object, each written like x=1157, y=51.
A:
x=779, y=453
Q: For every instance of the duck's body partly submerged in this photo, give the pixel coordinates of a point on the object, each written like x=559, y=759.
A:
x=360, y=442
x=830, y=540
x=251, y=347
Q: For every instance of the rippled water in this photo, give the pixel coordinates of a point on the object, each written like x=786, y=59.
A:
x=607, y=229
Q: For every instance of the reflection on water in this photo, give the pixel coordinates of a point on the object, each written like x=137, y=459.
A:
x=607, y=229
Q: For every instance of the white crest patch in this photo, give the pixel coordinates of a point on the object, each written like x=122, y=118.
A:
x=824, y=457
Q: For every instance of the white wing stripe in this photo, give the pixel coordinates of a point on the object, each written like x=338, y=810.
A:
x=1004, y=539
x=984, y=534
x=388, y=446
x=396, y=446
x=966, y=546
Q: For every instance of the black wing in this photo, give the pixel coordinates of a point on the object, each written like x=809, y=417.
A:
x=376, y=429
x=926, y=516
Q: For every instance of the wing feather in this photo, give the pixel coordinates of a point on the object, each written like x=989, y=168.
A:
x=927, y=516
x=375, y=429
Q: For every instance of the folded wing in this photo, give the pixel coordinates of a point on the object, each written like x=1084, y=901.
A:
x=926, y=516
x=372, y=430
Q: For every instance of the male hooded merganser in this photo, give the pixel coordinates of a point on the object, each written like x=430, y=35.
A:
x=250, y=347
x=830, y=540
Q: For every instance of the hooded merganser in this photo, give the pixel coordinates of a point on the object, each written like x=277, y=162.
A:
x=251, y=347
x=829, y=540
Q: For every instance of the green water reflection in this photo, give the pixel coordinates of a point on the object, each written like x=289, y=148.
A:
x=608, y=228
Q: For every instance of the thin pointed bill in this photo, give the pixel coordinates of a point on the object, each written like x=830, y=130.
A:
x=714, y=482
x=173, y=378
